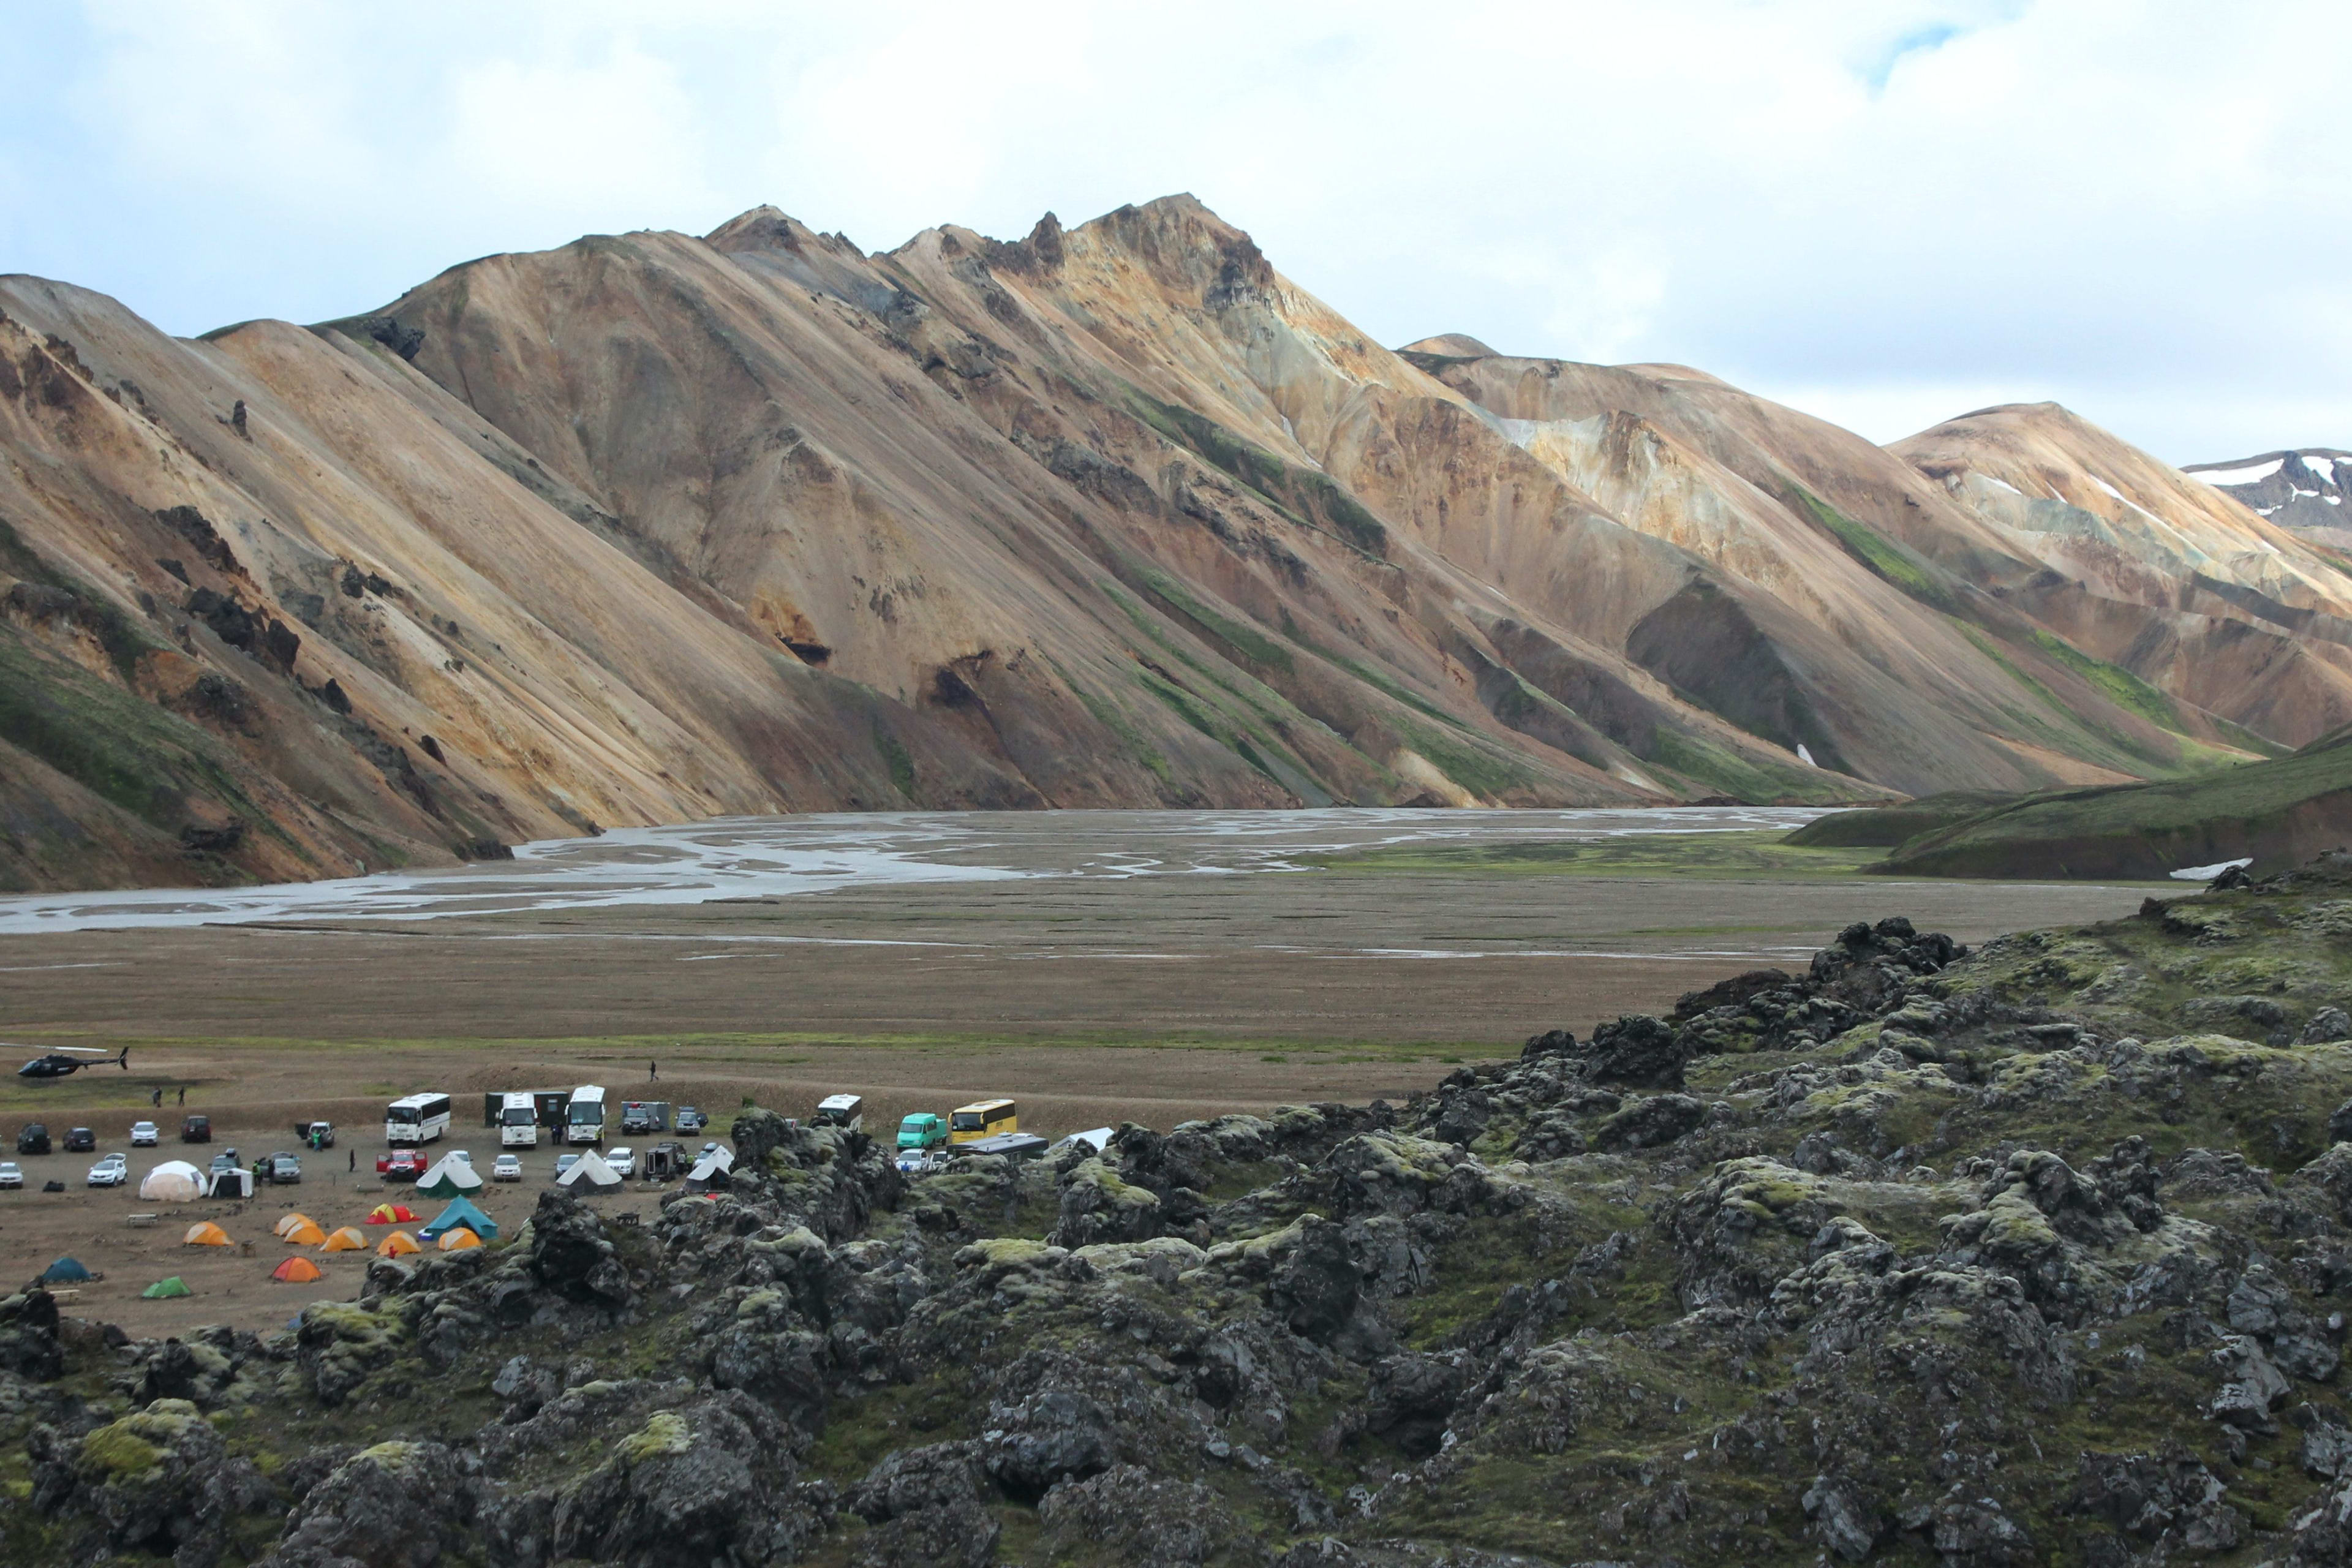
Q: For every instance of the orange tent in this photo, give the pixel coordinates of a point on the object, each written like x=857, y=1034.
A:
x=307, y=1234
x=297, y=1271
x=392, y=1214
x=399, y=1244
x=457, y=1240
x=346, y=1239
x=289, y=1222
x=205, y=1233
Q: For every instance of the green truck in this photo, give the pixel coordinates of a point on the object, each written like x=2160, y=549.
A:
x=922, y=1132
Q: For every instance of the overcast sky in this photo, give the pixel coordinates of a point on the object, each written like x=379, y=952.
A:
x=1886, y=212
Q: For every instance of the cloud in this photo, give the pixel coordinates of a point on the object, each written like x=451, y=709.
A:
x=2135, y=207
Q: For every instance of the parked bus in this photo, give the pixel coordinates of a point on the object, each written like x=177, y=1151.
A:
x=585, y=1116
x=517, y=1120
x=417, y=1119
x=982, y=1118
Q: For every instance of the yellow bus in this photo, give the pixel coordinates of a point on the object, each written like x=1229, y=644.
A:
x=982, y=1118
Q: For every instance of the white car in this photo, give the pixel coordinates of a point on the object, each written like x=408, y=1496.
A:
x=459, y=1154
x=110, y=1171
x=144, y=1135
x=10, y=1176
x=622, y=1159
x=506, y=1168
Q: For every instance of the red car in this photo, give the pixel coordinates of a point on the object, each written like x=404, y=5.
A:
x=400, y=1165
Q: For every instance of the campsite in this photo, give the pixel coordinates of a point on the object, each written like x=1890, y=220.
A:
x=234, y=1284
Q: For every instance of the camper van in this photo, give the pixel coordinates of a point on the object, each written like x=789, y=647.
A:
x=584, y=1119
x=848, y=1110
x=982, y=1118
x=517, y=1120
x=417, y=1119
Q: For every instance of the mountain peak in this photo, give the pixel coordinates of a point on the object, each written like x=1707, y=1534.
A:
x=1451, y=345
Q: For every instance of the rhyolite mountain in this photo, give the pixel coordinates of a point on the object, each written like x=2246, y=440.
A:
x=653, y=527
x=2301, y=489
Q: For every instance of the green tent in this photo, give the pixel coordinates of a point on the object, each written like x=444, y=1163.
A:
x=175, y=1286
x=65, y=1271
x=461, y=1212
x=451, y=1177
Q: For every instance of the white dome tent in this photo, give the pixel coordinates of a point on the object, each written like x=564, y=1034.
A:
x=172, y=1182
x=592, y=1172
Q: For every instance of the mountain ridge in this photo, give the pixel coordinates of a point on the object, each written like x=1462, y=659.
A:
x=653, y=526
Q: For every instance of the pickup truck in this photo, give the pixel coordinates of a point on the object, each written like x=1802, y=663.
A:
x=400, y=1165
x=323, y=1132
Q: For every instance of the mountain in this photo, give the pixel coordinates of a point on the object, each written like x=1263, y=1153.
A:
x=651, y=527
x=2299, y=491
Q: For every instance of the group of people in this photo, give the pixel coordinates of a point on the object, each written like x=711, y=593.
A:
x=159, y=1097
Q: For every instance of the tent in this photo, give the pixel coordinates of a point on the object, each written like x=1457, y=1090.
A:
x=237, y=1183
x=457, y=1240
x=175, y=1286
x=346, y=1239
x=452, y=1178
x=392, y=1214
x=461, y=1214
x=297, y=1271
x=205, y=1233
x=65, y=1271
x=592, y=1172
x=399, y=1244
x=172, y=1182
x=307, y=1234
x=290, y=1222
x=714, y=1170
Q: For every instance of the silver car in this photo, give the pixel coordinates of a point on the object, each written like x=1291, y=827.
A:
x=506, y=1168
x=145, y=1134
x=10, y=1176
x=110, y=1171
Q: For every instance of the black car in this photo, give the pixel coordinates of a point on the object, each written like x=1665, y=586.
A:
x=33, y=1139
x=80, y=1141
x=196, y=1130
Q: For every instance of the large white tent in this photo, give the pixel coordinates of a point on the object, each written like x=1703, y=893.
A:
x=450, y=1177
x=591, y=1171
x=172, y=1182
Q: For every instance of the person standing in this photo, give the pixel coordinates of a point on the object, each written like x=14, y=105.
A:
x=183, y=1094
x=653, y=1070
x=353, y=1165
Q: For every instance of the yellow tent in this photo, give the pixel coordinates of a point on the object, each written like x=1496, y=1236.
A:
x=346, y=1239
x=205, y=1233
x=399, y=1244
x=307, y=1234
x=457, y=1240
x=290, y=1222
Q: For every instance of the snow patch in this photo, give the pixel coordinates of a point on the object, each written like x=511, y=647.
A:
x=2323, y=466
x=2000, y=484
x=2111, y=489
x=2252, y=474
x=1805, y=756
x=2207, y=873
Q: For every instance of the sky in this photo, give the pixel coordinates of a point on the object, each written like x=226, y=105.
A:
x=1884, y=212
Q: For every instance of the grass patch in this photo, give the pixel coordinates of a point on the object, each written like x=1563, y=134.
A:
x=1713, y=856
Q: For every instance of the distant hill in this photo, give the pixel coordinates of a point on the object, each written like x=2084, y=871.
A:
x=2278, y=814
x=2303, y=489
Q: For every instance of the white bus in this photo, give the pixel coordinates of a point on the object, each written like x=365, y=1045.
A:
x=517, y=1120
x=417, y=1119
x=586, y=1115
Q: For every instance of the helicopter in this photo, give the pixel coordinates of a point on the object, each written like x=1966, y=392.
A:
x=66, y=1061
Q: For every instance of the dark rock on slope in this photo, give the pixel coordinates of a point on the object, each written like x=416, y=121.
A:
x=2037, y=1253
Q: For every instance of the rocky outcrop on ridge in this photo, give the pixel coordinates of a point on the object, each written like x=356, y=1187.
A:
x=2037, y=1253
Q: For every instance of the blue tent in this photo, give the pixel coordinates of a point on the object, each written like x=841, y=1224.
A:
x=65, y=1271
x=461, y=1212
